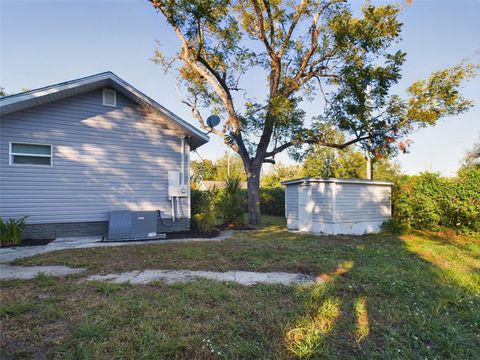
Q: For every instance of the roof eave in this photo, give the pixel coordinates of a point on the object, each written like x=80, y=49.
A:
x=307, y=180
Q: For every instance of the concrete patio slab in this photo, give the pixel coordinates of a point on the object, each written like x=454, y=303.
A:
x=180, y=276
x=10, y=254
x=8, y=272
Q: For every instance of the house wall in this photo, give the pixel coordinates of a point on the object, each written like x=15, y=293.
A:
x=104, y=159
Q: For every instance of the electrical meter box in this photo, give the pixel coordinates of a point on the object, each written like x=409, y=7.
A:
x=175, y=189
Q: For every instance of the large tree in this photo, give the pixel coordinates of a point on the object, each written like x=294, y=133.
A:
x=304, y=49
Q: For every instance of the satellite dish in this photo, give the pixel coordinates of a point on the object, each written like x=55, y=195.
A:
x=213, y=120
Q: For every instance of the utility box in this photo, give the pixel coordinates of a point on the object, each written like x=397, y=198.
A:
x=337, y=206
x=132, y=225
x=175, y=188
x=144, y=224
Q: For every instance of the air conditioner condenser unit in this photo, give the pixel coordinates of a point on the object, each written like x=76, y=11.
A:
x=133, y=225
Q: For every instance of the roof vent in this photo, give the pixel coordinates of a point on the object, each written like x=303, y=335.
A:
x=109, y=97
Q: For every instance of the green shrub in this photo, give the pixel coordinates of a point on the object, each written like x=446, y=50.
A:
x=231, y=202
x=429, y=201
x=272, y=201
x=394, y=227
x=203, y=208
x=205, y=221
x=11, y=231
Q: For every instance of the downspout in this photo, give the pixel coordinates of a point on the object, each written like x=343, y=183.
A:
x=182, y=161
x=182, y=169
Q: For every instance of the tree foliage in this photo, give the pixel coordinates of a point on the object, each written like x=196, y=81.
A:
x=222, y=169
x=280, y=172
x=322, y=161
x=303, y=49
x=472, y=158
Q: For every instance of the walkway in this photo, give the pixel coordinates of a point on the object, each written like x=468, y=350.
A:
x=176, y=276
x=9, y=254
x=8, y=272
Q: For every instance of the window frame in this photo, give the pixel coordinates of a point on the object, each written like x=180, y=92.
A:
x=114, y=97
x=12, y=154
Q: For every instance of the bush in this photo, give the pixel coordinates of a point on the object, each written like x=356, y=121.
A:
x=231, y=207
x=272, y=201
x=11, y=231
x=394, y=227
x=203, y=209
x=231, y=202
x=429, y=201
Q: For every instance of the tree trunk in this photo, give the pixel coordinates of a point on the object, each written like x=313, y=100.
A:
x=253, y=189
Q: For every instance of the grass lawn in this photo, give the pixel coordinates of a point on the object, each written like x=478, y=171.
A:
x=411, y=297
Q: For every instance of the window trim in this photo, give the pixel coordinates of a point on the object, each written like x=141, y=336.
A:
x=12, y=154
x=114, y=98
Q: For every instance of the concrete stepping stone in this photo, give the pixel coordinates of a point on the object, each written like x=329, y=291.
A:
x=176, y=276
x=8, y=272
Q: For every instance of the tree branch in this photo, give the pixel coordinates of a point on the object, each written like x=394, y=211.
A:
x=212, y=76
x=292, y=27
x=261, y=26
x=270, y=19
x=316, y=142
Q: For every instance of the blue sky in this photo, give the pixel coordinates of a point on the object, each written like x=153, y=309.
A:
x=44, y=42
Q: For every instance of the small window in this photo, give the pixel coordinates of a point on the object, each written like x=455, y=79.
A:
x=30, y=154
x=109, y=97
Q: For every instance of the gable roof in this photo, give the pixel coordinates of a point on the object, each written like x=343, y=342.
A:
x=21, y=101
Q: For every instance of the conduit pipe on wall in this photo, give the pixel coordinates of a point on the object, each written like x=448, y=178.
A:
x=182, y=160
x=175, y=199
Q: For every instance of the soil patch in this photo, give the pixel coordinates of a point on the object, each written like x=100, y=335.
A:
x=231, y=227
x=192, y=234
x=30, y=242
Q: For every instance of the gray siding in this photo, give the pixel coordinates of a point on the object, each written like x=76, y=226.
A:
x=291, y=201
x=104, y=159
x=94, y=228
x=358, y=202
x=322, y=200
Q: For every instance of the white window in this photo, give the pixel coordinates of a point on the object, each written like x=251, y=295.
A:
x=109, y=97
x=30, y=154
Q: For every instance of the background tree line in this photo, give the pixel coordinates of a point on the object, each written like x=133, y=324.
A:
x=426, y=201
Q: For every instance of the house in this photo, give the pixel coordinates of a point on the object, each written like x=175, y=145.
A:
x=207, y=185
x=72, y=152
x=337, y=206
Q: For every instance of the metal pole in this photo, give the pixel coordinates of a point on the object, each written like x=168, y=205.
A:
x=369, y=165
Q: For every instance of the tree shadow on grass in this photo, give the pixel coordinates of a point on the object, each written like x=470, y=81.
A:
x=391, y=300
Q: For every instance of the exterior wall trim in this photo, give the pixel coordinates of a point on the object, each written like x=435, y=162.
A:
x=335, y=180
